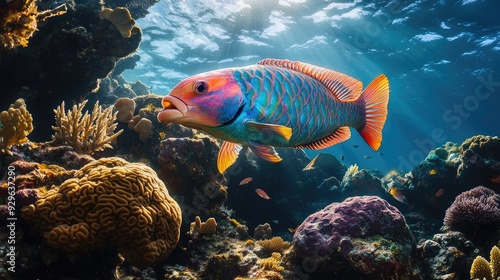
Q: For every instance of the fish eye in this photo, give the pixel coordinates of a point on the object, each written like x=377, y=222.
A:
x=200, y=87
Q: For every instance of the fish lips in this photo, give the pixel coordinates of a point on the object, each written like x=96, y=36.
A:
x=173, y=109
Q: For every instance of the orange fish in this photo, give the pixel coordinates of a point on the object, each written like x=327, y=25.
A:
x=433, y=172
x=293, y=230
x=397, y=194
x=246, y=181
x=262, y=194
x=439, y=193
x=309, y=166
x=496, y=179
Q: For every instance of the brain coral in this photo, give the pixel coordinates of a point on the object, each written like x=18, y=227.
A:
x=472, y=209
x=110, y=202
x=485, y=146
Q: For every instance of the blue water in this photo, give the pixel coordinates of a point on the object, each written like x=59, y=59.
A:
x=441, y=57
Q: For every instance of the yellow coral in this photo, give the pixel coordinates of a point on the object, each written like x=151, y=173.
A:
x=275, y=244
x=110, y=202
x=86, y=133
x=15, y=125
x=482, y=269
x=208, y=227
x=272, y=263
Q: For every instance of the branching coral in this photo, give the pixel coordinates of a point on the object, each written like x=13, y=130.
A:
x=15, y=125
x=85, y=132
x=275, y=244
x=110, y=202
x=479, y=206
x=482, y=269
x=272, y=263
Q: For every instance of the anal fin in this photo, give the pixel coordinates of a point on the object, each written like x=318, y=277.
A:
x=228, y=154
x=340, y=135
x=265, y=152
x=282, y=131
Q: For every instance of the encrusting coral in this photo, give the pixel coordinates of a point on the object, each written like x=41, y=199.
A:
x=15, y=125
x=482, y=269
x=85, y=132
x=125, y=109
x=110, y=202
x=141, y=125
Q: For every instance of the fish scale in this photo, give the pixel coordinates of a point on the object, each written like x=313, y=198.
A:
x=269, y=100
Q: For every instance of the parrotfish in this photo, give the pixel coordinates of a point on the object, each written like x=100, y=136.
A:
x=278, y=103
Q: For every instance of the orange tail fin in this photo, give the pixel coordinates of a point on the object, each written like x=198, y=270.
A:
x=375, y=98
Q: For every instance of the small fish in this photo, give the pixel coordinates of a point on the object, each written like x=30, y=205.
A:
x=262, y=194
x=276, y=222
x=342, y=156
x=433, y=172
x=309, y=166
x=278, y=103
x=381, y=153
x=246, y=181
x=439, y=193
x=355, y=146
x=496, y=179
x=397, y=195
x=367, y=157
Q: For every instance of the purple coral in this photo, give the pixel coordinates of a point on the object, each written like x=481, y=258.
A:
x=477, y=207
x=362, y=237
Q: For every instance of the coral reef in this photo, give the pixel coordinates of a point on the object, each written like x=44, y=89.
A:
x=85, y=132
x=121, y=19
x=110, y=202
x=482, y=269
x=476, y=213
x=15, y=125
x=272, y=263
x=188, y=167
x=141, y=125
x=361, y=237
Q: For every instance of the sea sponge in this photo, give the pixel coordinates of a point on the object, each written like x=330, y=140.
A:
x=200, y=227
x=275, y=244
x=474, y=208
x=15, y=125
x=121, y=18
x=143, y=126
x=110, y=202
x=263, y=231
x=482, y=269
x=86, y=133
x=125, y=109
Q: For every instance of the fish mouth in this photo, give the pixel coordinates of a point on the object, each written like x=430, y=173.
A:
x=173, y=109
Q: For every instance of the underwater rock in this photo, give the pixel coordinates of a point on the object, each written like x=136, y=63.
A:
x=447, y=256
x=487, y=147
x=188, y=166
x=360, y=238
x=362, y=183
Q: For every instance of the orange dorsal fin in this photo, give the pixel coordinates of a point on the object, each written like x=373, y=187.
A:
x=375, y=99
x=344, y=87
x=228, y=154
x=340, y=135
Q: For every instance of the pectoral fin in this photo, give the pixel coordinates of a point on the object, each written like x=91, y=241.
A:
x=271, y=129
x=228, y=154
x=265, y=152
